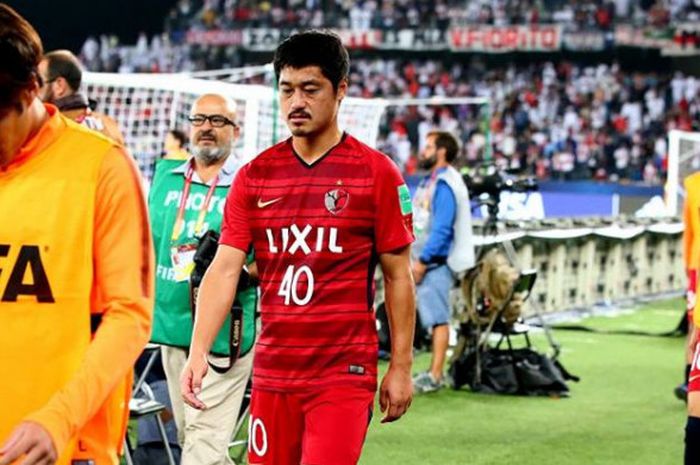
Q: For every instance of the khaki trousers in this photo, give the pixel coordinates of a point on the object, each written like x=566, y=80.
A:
x=204, y=435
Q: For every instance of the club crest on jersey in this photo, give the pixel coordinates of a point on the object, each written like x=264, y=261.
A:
x=336, y=200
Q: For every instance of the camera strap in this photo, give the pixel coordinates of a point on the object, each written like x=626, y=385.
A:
x=179, y=225
x=235, y=331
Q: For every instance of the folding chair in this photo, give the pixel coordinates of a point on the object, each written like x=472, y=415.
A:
x=148, y=406
x=523, y=286
x=483, y=319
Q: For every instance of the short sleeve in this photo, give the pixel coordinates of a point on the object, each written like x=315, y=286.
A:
x=235, y=229
x=393, y=222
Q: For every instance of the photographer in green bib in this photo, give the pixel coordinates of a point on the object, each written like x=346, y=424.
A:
x=186, y=202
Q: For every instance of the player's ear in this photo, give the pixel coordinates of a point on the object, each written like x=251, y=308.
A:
x=61, y=86
x=342, y=89
x=441, y=153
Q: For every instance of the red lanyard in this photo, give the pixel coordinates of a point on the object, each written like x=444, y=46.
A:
x=180, y=219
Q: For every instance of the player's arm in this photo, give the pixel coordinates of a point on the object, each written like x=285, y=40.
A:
x=216, y=294
x=393, y=233
x=399, y=292
x=123, y=290
x=218, y=289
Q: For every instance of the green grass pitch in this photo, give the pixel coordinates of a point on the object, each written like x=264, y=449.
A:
x=622, y=412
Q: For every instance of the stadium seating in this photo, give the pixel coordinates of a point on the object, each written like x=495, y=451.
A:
x=557, y=119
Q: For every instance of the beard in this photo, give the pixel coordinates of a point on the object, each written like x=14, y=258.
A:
x=427, y=163
x=210, y=155
x=301, y=132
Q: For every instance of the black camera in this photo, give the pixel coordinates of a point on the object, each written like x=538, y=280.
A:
x=488, y=180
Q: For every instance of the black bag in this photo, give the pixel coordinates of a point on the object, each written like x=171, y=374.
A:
x=520, y=371
x=203, y=256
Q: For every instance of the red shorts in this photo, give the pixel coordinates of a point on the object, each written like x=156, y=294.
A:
x=690, y=295
x=321, y=427
x=694, y=377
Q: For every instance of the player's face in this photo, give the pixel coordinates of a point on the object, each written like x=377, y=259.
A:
x=307, y=100
x=429, y=156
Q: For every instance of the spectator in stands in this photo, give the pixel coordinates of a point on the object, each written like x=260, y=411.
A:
x=62, y=75
x=443, y=246
x=175, y=145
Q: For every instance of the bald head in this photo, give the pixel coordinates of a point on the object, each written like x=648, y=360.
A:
x=220, y=104
x=213, y=128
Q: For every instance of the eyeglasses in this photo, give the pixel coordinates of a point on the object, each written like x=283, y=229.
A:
x=45, y=82
x=217, y=121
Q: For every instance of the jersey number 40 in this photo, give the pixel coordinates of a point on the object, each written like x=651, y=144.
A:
x=290, y=286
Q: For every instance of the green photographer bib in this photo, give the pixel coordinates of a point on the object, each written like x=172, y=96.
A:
x=176, y=227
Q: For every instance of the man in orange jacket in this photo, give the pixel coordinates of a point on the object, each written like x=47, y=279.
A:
x=76, y=273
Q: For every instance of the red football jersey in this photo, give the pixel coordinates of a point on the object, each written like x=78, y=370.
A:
x=317, y=231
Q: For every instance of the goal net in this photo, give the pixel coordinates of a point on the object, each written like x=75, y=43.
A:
x=683, y=160
x=147, y=106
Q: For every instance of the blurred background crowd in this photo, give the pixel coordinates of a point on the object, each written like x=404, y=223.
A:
x=554, y=115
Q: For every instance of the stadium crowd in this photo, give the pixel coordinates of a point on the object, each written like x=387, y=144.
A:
x=174, y=53
x=170, y=52
x=552, y=120
x=392, y=14
x=562, y=122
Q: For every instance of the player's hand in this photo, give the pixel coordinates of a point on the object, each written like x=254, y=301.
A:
x=395, y=393
x=31, y=440
x=191, y=380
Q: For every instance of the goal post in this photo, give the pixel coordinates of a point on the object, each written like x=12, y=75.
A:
x=147, y=106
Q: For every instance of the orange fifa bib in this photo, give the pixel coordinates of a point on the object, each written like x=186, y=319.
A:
x=47, y=207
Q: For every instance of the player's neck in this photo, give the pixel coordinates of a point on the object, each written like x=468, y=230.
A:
x=207, y=172
x=37, y=117
x=312, y=148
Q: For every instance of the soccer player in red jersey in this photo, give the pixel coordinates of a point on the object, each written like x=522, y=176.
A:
x=321, y=210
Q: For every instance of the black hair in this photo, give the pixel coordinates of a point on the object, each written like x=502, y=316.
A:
x=21, y=50
x=62, y=63
x=314, y=48
x=445, y=140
